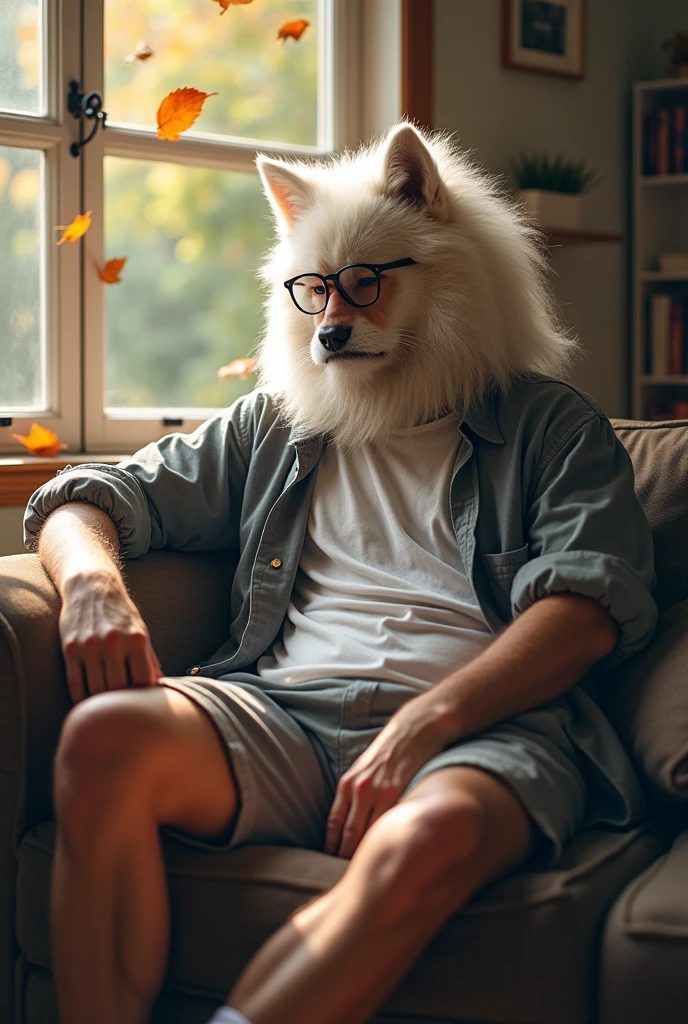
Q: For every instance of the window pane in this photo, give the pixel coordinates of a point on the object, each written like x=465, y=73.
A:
x=267, y=87
x=21, y=58
x=22, y=255
x=188, y=301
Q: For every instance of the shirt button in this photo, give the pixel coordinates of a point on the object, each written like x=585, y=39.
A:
x=194, y=670
x=276, y=562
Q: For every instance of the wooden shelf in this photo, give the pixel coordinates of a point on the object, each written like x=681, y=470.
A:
x=664, y=378
x=557, y=236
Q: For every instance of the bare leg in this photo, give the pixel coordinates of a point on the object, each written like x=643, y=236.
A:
x=338, y=958
x=128, y=761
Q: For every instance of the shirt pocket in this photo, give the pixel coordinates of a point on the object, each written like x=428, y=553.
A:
x=501, y=569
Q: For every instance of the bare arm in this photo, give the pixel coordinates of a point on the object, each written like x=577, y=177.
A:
x=105, y=641
x=538, y=657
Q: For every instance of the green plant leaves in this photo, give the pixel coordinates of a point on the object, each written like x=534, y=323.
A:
x=558, y=174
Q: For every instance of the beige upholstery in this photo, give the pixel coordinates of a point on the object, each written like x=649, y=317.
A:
x=526, y=951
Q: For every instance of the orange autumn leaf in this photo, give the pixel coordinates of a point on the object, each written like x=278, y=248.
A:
x=141, y=52
x=224, y=4
x=240, y=368
x=41, y=441
x=78, y=227
x=179, y=110
x=109, y=274
x=293, y=29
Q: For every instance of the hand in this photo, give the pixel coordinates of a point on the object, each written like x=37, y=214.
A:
x=105, y=641
x=376, y=780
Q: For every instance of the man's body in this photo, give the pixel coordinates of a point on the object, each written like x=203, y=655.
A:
x=133, y=760
x=149, y=757
x=471, y=576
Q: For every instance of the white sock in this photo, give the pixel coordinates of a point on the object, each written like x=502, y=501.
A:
x=226, y=1015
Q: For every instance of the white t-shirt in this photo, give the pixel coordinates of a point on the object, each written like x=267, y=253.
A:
x=381, y=591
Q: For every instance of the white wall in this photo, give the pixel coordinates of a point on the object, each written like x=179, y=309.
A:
x=498, y=112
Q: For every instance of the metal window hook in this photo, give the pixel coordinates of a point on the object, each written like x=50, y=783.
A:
x=87, y=105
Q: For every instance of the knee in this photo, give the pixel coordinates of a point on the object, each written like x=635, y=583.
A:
x=103, y=748
x=421, y=849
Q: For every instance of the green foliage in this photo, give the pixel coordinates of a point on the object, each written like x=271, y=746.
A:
x=560, y=174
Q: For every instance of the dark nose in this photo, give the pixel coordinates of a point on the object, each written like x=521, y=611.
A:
x=334, y=338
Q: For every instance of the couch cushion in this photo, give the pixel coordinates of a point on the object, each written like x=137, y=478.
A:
x=647, y=701
x=644, y=965
x=659, y=453
x=523, y=951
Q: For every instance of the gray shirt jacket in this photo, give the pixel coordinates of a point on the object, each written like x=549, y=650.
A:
x=541, y=497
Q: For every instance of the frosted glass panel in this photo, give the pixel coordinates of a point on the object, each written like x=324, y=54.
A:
x=21, y=57
x=188, y=301
x=267, y=87
x=22, y=350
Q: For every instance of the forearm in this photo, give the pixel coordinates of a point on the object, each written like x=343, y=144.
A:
x=537, y=658
x=78, y=540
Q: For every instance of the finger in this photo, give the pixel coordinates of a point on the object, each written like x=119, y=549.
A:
x=76, y=683
x=336, y=819
x=385, y=801
x=140, y=667
x=93, y=665
x=113, y=662
x=158, y=672
x=355, y=828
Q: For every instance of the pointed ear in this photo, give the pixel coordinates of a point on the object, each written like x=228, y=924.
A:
x=289, y=195
x=410, y=173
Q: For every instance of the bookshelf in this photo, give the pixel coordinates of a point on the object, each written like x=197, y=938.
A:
x=660, y=225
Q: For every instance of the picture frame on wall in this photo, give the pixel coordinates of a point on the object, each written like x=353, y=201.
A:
x=545, y=36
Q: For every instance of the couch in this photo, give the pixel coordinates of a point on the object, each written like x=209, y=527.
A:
x=603, y=937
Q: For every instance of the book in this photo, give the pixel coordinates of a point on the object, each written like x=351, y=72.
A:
x=676, y=337
x=650, y=147
x=663, y=121
x=673, y=262
x=678, y=140
x=661, y=324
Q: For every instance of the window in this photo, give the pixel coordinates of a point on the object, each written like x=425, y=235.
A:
x=106, y=365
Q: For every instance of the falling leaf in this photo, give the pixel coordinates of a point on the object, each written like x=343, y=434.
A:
x=224, y=4
x=293, y=29
x=240, y=368
x=78, y=227
x=41, y=441
x=111, y=271
x=141, y=52
x=179, y=110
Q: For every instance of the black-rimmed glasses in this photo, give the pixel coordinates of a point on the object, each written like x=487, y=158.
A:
x=358, y=284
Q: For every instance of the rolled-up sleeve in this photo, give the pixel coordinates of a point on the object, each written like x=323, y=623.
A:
x=588, y=535
x=183, y=491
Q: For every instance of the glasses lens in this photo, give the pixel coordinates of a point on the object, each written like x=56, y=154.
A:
x=361, y=285
x=310, y=293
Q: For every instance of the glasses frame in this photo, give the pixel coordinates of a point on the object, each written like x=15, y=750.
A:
x=376, y=268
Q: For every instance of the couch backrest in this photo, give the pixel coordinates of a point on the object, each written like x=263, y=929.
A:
x=659, y=452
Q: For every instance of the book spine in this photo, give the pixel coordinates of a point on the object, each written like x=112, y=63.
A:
x=661, y=312
x=647, y=348
x=651, y=144
x=663, y=141
x=678, y=148
x=676, y=338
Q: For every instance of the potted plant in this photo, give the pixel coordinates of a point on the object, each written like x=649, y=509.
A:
x=551, y=189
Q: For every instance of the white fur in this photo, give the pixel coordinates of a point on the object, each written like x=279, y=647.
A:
x=475, y=311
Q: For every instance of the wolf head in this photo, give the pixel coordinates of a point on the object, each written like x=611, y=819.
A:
x=472, y=310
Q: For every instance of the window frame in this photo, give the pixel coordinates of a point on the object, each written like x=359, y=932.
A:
x=52, y=134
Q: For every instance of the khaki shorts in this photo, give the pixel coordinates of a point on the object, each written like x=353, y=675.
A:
x=289, y=744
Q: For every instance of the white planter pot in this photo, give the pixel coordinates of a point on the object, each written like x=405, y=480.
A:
x=553, y=209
